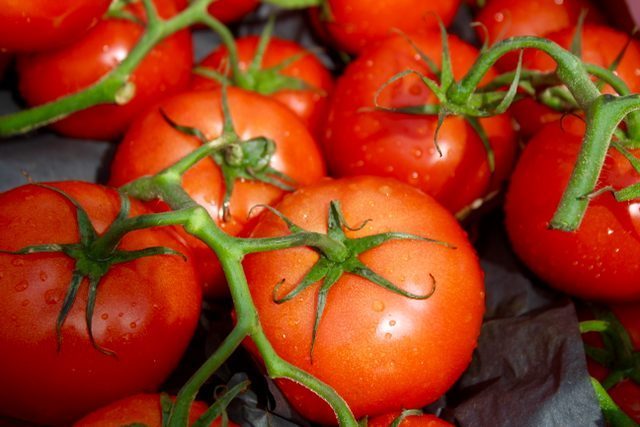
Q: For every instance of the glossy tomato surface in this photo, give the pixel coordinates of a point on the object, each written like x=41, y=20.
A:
x=425, y=420
x=354, y=24
x=379, y=350
x=508, y=18
x=231, y=10
x=599, y=260
x=146, y=310
x=35, y=25
x=601, y=46
x=141, y=408
x=47, y=76
x=152, y=144
x=360, y=141
x=310, y=103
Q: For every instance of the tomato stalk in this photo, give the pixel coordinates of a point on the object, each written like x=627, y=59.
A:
x=115, y=86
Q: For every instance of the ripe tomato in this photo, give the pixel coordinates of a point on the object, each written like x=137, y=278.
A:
x=27, y=26
x=509, y=18
x=425, y=420
x=310, y=104
x=231, y=10
x=166, y=69
x=143, y=409
x=379, y=350
x=355, y=24
x=360, y=141
x=151, y=144
x=600, y=46
x=146, y=310
x=598, y=261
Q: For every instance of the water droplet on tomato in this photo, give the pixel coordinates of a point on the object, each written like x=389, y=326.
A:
x=386, y=190
x=388, y=335
x=21, y=286
x=392, y=323
x=498, y=17
x=52, y=296
x=417, y=153
x=388, y=169
x=378, y=306
x=43, y=276
x=133, y=325
x=104, y=316
x=17, y=262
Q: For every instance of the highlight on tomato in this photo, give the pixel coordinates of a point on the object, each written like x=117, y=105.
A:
x=46, y=76
x=389, y=326
x=85, y=327
x=283, y=156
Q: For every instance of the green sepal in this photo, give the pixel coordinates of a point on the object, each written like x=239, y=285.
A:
x=576, y=39
x=166, y=406
x=600, y=355
x=294, y=4
x=263, y=43
x=442, y=114
x=85, y=228
x=187, y=130
x=426, y=58
x=319, y=270
x=117, y=11
x=69, y=299
x=404, y=414
x=431, y=84
x=36, y=249
x=477, y=127
x=125, y=256
x=211, y=74
x=616, y=61
x=220, y=405
x=330, y=279
x=356, y=267
x=446, y=69
x=613, y=378
x=363, y=244
x=91, y=304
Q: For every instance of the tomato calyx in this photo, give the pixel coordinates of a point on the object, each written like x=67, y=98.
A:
x=340, y=255
x=247, y=160
x=265, y=81
x=92, y=261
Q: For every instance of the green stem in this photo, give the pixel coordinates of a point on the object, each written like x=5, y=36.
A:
x=603, y=118
x=332, y=248
x=570, y=70
x=612, y=413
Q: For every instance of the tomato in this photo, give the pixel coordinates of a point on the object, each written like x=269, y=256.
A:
x=231, y=10
x=360, y=141
x=425, y=420
x=379, y=350
x=141, y=408
x=355, y=24
x=146, y=310
x=151, y=144
x=310, y=104
x=600, y=46
x=27, y=26
x=599, y=260
x=509, y=18
x=166, y=69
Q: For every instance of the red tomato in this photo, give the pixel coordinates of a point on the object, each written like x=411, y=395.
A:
x=32, y=25
x=146, y=310
x=402, y=146
x=151, y=144
x=309, y=104
x=140, y=408
x=425, y=420
x=598, y=261
x=355, y=24
x=231, y=10
x=380, y=351
x=166, y=69
x=509, y=18
x=600, y=46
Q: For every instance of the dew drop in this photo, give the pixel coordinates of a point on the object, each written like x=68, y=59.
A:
x=133, y=325
x=43, y=276
x=417, y=152
x=385, y=189
x=52, y=296
x=392, y=323
x=104, y=316
x=378, y=306
x=498, y=17
x=609, y=231
x=21, y=286
x=388, y=335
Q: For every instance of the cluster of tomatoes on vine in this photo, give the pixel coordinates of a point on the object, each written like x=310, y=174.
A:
x=377, y=293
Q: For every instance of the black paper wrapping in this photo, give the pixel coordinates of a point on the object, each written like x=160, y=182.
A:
x=529, y=368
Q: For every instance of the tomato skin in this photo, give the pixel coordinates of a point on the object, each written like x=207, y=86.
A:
x=146, y=310
x=309, y=104
x=426, y=420
x=36, y=25
x=598, y=261
x=47, y=76
x=151, y=144
x=232, y=10
x=140, y=408
x=509, y=18
x=355, y=24
x=600, y=46
x=379, y=350
x=360, y=142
